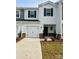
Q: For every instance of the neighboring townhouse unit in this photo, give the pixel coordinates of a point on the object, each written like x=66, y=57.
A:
x=46, y=20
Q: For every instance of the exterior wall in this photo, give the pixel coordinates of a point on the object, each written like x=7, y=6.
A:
x=17, y=30
x=56, y=19
x=26, y=14
x=59, y=19
x=29, y=28
x=47, y=19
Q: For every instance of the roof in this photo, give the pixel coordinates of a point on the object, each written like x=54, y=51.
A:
x=26, y=20
x=48, y=2
x=26, y=8
x=60, y=1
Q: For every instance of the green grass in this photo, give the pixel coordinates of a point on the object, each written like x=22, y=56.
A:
x=52, y=50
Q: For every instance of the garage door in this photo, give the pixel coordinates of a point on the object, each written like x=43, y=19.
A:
x=32, y=31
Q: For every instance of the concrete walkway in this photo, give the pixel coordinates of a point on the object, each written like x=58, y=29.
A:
x=28, y=48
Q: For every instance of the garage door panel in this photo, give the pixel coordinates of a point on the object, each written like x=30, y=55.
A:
x=32, y=32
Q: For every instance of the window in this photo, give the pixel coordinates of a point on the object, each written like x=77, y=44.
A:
x=48, y=11
x=31, y=14
x=17, y=14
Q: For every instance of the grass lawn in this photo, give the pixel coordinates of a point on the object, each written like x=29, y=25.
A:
x=52, y=50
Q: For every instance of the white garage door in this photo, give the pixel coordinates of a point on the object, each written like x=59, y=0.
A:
x=32, y=31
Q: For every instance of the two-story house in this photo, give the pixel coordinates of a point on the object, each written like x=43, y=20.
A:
x=46, y=20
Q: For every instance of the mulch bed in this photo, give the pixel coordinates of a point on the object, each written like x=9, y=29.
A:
x=18, y=39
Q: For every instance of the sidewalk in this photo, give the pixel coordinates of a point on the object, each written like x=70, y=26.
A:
x=28, y=48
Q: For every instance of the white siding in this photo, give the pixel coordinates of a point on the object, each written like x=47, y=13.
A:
x=59, y=19
x=47, y=19
x=32, y=29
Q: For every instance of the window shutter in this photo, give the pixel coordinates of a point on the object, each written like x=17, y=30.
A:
x=51, y=11
x=44, y=11
x=34, y=14
x=28, y=13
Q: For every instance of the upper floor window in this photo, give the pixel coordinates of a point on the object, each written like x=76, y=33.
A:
x=17, y=13
x=31, y=14
x=48, y=11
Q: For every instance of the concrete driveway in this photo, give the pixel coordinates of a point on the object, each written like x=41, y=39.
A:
x=28, y=48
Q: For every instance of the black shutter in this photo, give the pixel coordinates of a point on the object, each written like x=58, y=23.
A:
x=28, y=13
x=51, y=11
x=34, y=14
x=44, y=11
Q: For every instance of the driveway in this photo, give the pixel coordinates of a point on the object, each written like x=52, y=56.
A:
x=28, y=48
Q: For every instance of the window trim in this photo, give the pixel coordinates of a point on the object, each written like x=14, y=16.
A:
x=19, y=13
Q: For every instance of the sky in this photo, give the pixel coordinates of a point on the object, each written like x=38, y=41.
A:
x=30, y=3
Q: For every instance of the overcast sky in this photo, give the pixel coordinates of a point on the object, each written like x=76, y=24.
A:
x=30, y=3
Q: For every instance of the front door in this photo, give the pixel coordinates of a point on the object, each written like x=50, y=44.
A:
x=45, y=31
